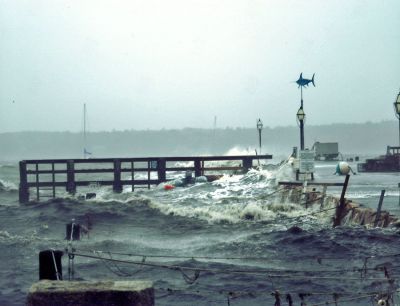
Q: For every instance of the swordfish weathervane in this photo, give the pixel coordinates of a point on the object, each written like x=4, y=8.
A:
x=304, y=82
x=300, y=113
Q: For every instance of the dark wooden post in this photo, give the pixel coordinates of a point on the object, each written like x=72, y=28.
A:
x=23, y=183
x=399, y=190
x=71, y=187
x=342, y=204
x=197, y=167
x=117, y=185
x=53, y=179
x=132, y=175
x=247, y=163
x=378, y=212
x=37, y=182
x=161, y=170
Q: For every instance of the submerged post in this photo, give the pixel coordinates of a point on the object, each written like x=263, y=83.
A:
x=342, y=203
x=247, y=164
x=71, y=186
x=23, y=183
x=117, y=186
x=162, y=168
x=197, y=167
x=378, y=211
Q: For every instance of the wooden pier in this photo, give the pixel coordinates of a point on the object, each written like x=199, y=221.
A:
x=50, y=175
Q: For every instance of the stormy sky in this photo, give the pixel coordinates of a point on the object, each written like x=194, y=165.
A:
x=178, y=63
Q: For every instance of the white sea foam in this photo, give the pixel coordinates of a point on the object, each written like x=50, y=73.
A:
x=7, y=186
x=233, y=198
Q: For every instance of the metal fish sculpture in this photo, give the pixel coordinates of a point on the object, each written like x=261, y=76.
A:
x=304, y=82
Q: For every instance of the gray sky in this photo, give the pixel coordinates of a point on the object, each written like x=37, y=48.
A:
x=174, y=64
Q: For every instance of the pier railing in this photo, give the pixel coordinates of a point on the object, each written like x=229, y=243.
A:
x=52, y=175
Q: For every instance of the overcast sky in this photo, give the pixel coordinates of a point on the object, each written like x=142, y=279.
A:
x=174, y=64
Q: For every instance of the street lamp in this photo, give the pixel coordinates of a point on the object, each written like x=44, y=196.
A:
x=259, y=128
x=301, y=116
x=397, y=111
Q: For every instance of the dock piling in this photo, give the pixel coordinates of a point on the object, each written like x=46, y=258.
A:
x=342, y=203
x=162, y=165
x=378, y=211
x=71, y=186
x=247, y=164
x=117, y=186
x=23, y=183
x=197, y=167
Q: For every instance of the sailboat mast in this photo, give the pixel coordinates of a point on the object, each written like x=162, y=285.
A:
x=84, y=130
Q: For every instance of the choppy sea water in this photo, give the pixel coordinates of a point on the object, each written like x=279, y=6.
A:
x=233, y=231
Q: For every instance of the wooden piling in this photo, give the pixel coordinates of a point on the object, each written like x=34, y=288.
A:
x=342, y=203
x=399, y=193
x=197, y=167
x=161, y=170
x=23, y=183
x=247, y=164
x=117, y=186
x=378, y=212
x=71, y=186
x=323, y=195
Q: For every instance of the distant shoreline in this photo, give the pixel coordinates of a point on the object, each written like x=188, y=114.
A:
x=359, y=139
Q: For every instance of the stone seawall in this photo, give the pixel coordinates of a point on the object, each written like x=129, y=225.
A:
x=87, y=293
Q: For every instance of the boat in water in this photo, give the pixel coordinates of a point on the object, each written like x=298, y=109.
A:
x=384, y=163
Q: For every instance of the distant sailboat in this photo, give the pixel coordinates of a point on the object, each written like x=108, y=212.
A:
x=86, y=153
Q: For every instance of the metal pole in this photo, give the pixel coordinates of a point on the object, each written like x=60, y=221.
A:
x=259, y=139
x=301, y=134
x=301, y=90
x=301, y=123
x=399, y=130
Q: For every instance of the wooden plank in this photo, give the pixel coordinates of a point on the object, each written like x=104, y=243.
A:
x=46, y=171
x=88, y=183
x=145, y=159
x=310, y=184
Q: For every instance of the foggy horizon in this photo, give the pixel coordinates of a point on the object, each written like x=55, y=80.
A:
x=265, y=126
x=154, y=64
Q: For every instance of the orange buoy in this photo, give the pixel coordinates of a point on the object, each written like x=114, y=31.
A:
x=168, y=187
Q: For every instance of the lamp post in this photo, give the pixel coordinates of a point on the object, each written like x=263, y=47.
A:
x=301, y=116
x=259, y=128
x=397, y=111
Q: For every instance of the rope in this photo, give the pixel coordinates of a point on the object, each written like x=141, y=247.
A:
x=119, y=271
x=225, y=271
x=363, y=269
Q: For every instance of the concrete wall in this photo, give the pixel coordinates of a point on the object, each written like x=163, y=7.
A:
x=86, y=293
